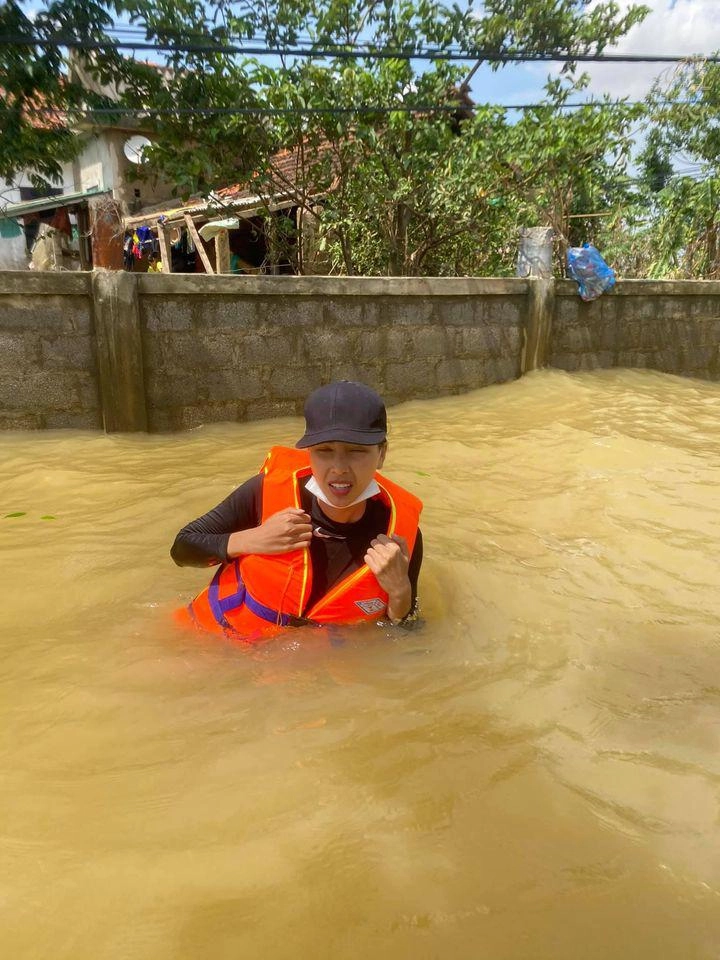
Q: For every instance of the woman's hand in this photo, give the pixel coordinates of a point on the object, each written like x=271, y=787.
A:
x=286, y=530
x=389, y=559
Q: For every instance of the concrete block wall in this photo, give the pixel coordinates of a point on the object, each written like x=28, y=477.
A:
x=671, y=326
x=227, y=348
x=48, y=367
x=138, y=352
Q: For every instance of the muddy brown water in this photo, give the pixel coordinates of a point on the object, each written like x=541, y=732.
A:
x=534, y=774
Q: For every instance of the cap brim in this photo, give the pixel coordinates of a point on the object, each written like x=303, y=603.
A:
x=338, y=435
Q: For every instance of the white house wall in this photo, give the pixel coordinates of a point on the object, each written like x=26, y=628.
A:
x=12, y=249
x=101, y=165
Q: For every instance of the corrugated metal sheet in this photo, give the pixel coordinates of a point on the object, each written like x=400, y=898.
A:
x=48, y=203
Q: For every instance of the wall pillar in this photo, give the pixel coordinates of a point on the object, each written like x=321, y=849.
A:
x=119, y=351
x=106, y=232
x=535, y=252
x=538, y=327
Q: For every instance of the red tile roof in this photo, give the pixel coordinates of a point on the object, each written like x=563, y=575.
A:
x=285, y=172
x=37, y=111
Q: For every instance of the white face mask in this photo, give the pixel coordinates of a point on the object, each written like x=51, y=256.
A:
x=370, y=490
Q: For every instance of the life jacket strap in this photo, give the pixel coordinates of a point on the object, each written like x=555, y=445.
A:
x=220, y=606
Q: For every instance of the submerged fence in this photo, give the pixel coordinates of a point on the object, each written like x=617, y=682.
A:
x=160, y=353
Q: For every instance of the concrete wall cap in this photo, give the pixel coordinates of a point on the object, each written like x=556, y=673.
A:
x=203, y=284
x=44, y=283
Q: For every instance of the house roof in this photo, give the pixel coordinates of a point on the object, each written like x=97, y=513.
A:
x=206, y=208
x=242, y=199
x=48, y=203
x=285, y=173
x=37, y=112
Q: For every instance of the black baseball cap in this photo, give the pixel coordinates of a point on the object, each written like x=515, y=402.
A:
x=346, y=411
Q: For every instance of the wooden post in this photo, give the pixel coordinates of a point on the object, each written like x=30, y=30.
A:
x=57, y=253
x=165, y=252
x=192, y=229
x=83, y=242
x=222, y=252
x=271, y=243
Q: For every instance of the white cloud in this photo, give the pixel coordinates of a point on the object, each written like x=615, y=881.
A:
x=672, y=28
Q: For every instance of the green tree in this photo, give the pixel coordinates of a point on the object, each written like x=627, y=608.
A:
x=571, y=165
x=414, y=192
x=37, y=91
x=681, y=173
x=404, y=190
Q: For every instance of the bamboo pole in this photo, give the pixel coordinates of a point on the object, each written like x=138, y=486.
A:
x=165, y=253
x=222, y=252
x=192, y=229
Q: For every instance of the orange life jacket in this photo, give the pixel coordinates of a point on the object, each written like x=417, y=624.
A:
x=253, y=595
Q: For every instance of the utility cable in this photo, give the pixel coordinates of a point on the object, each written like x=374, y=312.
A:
x=318, y=111
x=341, y=53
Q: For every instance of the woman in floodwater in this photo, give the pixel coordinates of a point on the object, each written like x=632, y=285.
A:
x=317, y=536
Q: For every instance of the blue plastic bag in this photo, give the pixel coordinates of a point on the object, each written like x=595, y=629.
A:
x=592, y=275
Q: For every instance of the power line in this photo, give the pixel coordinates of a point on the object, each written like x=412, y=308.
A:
x=316, y=111
x=258, y=36
x=341, y=52
x=230, y=111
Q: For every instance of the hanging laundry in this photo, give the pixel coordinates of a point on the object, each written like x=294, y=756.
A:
x=61, y=221
x=9, y=228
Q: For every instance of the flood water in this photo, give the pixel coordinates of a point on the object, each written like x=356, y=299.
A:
x=534, y=774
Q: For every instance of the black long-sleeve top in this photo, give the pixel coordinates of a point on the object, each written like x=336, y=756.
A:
x=336, y=549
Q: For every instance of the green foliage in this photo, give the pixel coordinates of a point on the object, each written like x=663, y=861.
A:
x=681, y=233
x=27, y=81
x=570, y=165
x=655, y=163
x=404, y=192
x=443, y=193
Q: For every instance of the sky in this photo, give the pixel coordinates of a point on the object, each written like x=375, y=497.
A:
x=673, y=27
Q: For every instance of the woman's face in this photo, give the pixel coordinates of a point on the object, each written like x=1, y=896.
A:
x=344, y=470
